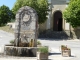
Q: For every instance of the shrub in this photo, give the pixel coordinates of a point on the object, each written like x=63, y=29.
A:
x=12, y=41
x=38, y=43
x=43, y=49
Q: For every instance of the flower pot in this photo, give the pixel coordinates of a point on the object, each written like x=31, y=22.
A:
x=66, y=53
x=43, y=56
x=9, y=45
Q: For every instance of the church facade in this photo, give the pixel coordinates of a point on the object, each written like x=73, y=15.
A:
x=55, y=21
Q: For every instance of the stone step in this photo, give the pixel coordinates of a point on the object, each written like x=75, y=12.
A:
x=54, y=35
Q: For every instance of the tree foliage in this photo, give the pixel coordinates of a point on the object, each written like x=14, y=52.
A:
x=72, y=13
x=5, y=15
x=41, y=6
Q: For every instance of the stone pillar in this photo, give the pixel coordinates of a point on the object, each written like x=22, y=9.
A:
x=26, y=29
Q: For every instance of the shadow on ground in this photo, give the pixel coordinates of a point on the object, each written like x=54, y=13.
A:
x=58, y=54
x=54, y=53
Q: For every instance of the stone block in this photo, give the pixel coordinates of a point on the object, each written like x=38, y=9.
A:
x=20, y=51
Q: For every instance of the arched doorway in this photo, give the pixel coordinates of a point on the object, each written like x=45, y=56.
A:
x=57, y=21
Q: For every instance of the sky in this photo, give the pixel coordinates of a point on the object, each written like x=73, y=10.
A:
x=9, y=3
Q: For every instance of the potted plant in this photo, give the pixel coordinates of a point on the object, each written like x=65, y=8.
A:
x=11, y=43
x=43, y=53
x=65, y=51
x=38, y=43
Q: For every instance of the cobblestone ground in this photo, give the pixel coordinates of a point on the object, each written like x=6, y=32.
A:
x=54, y=47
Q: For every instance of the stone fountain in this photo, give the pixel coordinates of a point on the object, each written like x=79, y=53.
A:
x=26, y=29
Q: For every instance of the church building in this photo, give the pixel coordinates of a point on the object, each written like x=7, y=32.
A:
x=55, y=21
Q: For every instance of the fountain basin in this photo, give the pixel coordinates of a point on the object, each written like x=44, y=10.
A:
x=20, y=51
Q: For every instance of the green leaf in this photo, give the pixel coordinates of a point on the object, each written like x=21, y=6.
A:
x=72, y=13
x=41, y=6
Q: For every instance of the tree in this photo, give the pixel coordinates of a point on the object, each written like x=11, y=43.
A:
x=72, y=13
x=41, y=6
x=5, y=15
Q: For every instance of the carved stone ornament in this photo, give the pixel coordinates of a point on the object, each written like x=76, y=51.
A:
x=26, y=19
